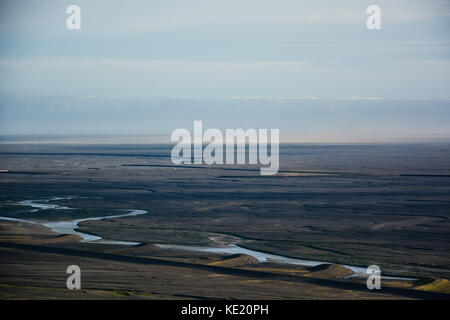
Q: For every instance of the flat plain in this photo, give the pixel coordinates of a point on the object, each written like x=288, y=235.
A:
x=358, y=205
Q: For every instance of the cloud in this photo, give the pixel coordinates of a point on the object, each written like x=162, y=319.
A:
x=154, y=65
x=391, y=78
x=259, y=12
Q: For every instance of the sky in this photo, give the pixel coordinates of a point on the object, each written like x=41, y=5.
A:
x=286, y=53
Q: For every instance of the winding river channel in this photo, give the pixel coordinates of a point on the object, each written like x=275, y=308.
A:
x=70, y=227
